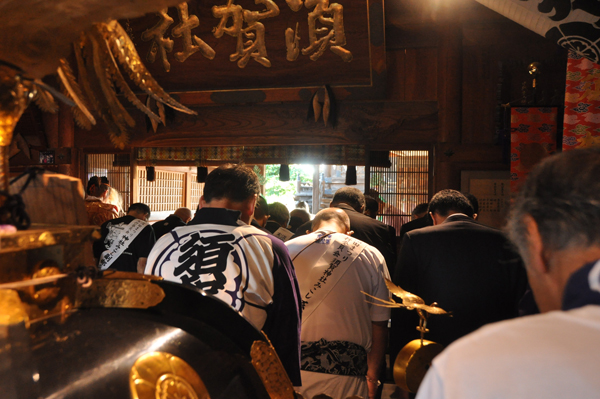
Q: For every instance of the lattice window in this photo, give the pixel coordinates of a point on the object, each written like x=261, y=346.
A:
x=118, y=176
x=165, y=193
x=402, y=186
x=196, y=190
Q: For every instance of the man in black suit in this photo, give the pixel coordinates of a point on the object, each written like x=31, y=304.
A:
x=371, y=231
x=467, y=268
x=420, y=219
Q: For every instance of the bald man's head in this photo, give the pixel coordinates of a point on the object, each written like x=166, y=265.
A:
x=332, y=219
x=184, y=214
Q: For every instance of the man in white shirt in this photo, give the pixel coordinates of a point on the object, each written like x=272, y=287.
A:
x=555, y=224
x=343, y=336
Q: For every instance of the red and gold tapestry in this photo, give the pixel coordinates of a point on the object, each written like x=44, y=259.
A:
x=582, y=104
x=533, y=137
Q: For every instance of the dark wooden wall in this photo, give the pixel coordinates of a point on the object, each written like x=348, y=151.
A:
x=449, y=67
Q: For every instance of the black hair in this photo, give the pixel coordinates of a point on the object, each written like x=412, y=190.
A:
x=447, y=201
x=421, y=208
x=279, y=213
x=261, y=209
x=94, y=181
x=473, y=200
x=297, y=218
x=371, y=205
x=233, y=182
x=140, y=208
x=351, y=196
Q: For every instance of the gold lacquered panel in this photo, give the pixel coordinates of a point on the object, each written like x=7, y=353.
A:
x=137, y=293
x=162, y=375
x=12, y=310
x=271, y=371
x=412, y=363
x=42, y=236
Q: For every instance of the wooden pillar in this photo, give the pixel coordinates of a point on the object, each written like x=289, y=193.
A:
x=316, y=197
x=133, y=175
x=367, y=170
x=450, y=82
x=51, y=128
x=449, y=97
x=66, y=139
x=187, y=189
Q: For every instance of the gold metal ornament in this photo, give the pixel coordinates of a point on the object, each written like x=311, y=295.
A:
x=415, y=358
x=162, y=375
x=14, y=98
x=45, y=293
x=271, y=371
x=121, y=290
x=412, y=363
x=12, y=310
x=99, y=54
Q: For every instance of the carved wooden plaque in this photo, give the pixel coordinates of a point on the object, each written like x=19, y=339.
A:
x=219, y=46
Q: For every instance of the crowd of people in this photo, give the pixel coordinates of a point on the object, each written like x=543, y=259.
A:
x=303, y=282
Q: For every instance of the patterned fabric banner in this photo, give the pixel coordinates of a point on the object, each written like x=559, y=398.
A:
x=329, y=154
x=582, y=104
x=573, y=24
x=533, y=137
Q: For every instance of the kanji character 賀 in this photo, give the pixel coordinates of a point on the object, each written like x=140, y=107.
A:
x=254, y=47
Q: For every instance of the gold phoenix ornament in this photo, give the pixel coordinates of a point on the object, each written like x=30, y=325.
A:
x=415, y=358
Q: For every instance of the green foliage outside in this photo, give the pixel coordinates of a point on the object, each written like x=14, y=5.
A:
x=283, y=191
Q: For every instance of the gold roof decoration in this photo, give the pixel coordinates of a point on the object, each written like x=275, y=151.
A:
x=99, y=53
x=37, y=37
x=36, y=34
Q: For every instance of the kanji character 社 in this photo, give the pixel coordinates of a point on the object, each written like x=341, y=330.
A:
x=184, y=29
x=160, y=44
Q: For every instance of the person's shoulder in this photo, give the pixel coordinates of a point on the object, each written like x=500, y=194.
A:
x=115, y=221
x=300, y=240
x=371, y=254
x=508, y=335
x=424, y=231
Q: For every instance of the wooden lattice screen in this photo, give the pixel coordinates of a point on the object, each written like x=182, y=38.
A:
x=402, y=186
x=196, y=190
x=118, y=176
x=165, y=193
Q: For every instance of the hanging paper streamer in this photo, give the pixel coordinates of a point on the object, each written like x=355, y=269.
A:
x=582, y=104
x=533, y=137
